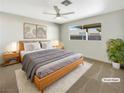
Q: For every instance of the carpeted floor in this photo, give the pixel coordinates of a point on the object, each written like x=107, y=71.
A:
x=90, y=82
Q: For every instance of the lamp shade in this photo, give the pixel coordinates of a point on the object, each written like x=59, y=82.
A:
x=11, y=47
x=55, y=43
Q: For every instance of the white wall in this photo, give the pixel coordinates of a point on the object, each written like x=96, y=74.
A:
x=112, y=27
x=11, y=28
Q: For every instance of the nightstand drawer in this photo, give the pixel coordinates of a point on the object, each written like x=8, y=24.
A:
x=10, y=58
x=10, y=55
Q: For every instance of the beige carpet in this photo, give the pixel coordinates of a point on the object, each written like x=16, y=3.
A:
x=60, y=86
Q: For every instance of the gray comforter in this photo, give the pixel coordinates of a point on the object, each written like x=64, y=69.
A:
x=37, y=59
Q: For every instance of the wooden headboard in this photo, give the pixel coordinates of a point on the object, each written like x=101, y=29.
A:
x=21, y=46
x=21, y=43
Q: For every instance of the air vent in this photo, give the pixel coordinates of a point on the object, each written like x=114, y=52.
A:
x=66, y=2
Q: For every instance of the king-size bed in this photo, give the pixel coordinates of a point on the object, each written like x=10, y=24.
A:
x=45, y=66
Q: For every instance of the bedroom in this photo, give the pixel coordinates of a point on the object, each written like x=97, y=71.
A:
x=15, y=16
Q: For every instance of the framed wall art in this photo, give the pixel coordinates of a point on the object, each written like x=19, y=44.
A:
x=29, y=31
x=34, y=31
x=41, y=32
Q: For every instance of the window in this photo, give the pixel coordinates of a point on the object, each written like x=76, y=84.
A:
x=75, y=33
x=86, y=32
x=93, y=31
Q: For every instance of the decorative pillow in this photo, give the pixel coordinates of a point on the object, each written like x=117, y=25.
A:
x=46, y=45
x=36, y=46
x=49, y=45
x=32, y=46
x=28, y=46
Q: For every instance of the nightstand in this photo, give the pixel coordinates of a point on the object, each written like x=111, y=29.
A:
x=59, y=47
x=10, y=58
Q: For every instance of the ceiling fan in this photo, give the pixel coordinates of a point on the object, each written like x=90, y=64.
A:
x=58, y=14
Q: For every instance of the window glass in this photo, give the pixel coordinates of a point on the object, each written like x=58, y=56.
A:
x=86, y=32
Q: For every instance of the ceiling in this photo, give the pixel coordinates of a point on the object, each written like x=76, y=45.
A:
x=82, y=8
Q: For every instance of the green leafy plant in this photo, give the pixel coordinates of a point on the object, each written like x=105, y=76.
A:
x=115, y=50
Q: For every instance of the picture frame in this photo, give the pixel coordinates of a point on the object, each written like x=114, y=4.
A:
x=41, y=32
x=29, y=31
x=34, y=31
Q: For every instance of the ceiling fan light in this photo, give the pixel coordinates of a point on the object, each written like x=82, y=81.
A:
x=58, y=18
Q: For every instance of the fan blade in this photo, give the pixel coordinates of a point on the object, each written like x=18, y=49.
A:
x=56, y=9
x=67, y=13
x=49, y=13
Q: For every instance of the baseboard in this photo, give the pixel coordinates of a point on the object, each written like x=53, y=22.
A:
x=95, y=59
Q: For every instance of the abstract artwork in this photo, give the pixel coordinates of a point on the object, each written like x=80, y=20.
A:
x=34, y=31
x=41, y=32
x=29, y=31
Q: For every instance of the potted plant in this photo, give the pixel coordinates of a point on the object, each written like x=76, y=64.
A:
x=115, y=50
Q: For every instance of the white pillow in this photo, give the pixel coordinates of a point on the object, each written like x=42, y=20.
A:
x=36, y=46
x=44, y=45
x=47, y=45
x=32, y=46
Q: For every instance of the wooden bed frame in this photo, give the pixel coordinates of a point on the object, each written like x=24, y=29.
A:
x=42, y=83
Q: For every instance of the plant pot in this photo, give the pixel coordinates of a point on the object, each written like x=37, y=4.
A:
x=116, y=65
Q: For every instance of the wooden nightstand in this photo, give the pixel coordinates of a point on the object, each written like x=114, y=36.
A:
x=10, y=58
x=59, y=47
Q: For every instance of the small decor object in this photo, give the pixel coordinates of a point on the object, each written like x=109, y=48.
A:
x=34, y=31
x=115, y=50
